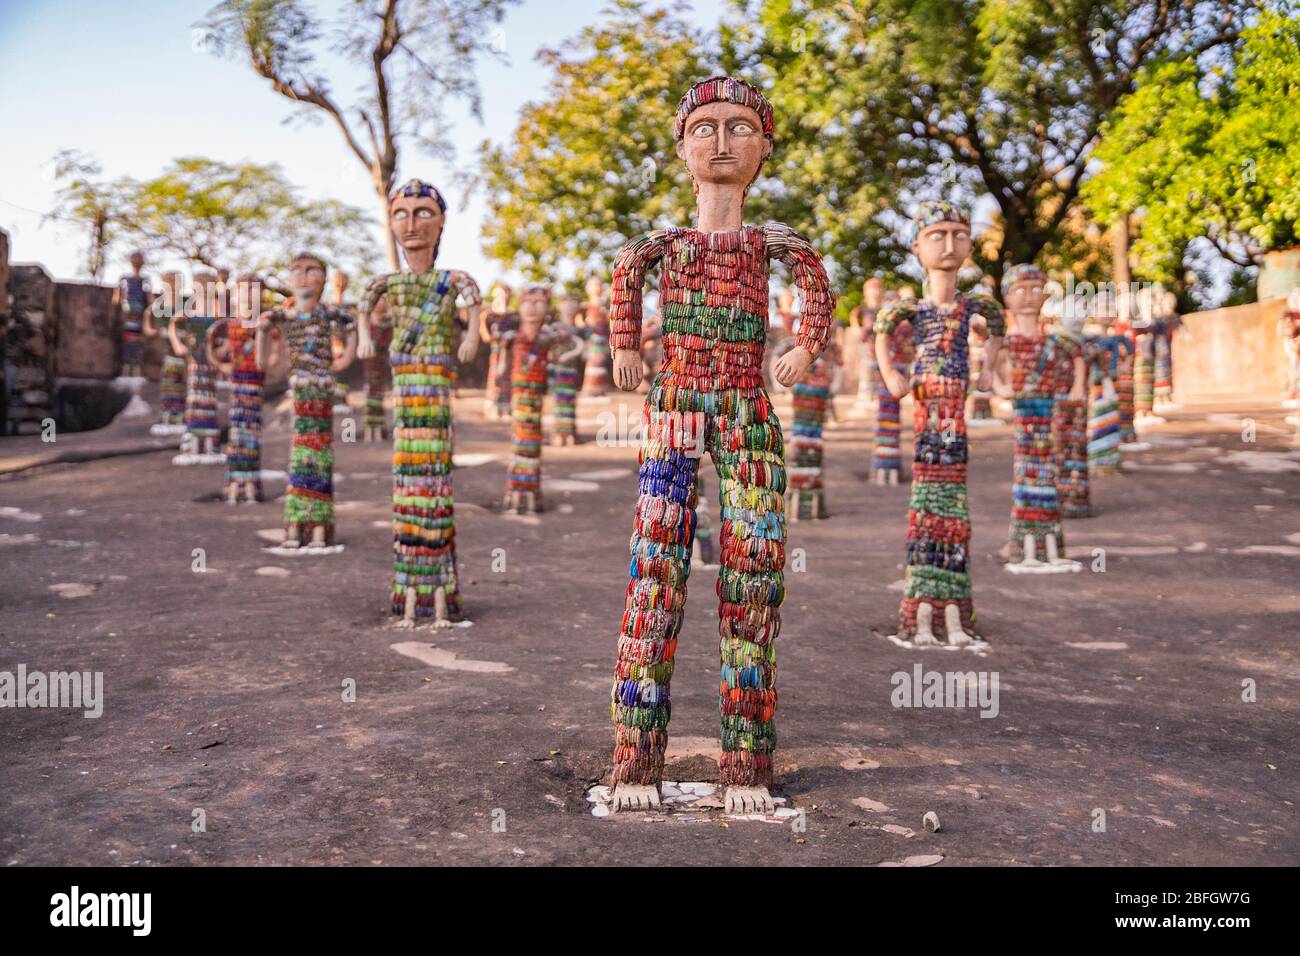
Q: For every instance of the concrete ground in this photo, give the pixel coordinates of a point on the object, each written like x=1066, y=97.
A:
x=1119, y=690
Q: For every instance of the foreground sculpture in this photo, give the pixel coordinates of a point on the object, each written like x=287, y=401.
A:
x=419, y=306
x=308, y=329
x=708, y=396
x=938, y=523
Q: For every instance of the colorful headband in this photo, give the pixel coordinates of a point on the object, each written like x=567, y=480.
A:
x=536, y=290
x=1025, y=272
x=418, y=188
x=723, y=89
x=934, y=211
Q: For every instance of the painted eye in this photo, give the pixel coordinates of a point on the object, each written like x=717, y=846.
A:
x=704, y=130
x=424, y=214
x=400, y=214
x=742, y=128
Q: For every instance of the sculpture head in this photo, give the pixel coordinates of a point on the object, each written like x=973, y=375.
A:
x=339, y=283
x=568, y=307
x=418, y=213
x=906, y=293
x=595, y=290
x=534, y=307
x=1024, y=291
x=501, y=296
x=723, y=130
x=307, y=280
x=942, y=239
x=785, y=300
x=873, y=293
x=137, y=261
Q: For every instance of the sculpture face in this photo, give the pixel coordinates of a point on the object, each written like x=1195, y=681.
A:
x=906, y=293
x=568, y=308
x=943, y=246
x=339, y=282
x=723, y=144
x=786, y=300
x=873, y=293
x=533, y=307
x=501, y=298
x=307, y=280
x=595, y=289
x=137, y=261
x=1025, y=299
x=417, y=222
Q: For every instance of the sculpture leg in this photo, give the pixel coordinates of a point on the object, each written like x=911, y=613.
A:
x=424, y=523
x=563, y=385
x=885, y=461
x=309, y=500
x=171, y=387
x=376, y=420
x=938, y=534
x=656, y=597
x=747, y=449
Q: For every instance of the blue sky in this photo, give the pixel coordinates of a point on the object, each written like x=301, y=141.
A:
x=123, y=82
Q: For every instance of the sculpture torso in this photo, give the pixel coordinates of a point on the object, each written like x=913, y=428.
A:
x=422, y=313
x=309, y=337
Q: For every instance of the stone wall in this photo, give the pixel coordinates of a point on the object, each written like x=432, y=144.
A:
x=1233, y=351
x=87, y=331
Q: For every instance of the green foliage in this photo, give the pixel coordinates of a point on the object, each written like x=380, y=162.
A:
x=242, y=216
x=97, y=204
x=1210, y=153
x=593, y=163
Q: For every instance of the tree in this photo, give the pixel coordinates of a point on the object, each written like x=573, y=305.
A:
x=418, y=54
x=1210, y=155
x=97, y=204
x=244, y=216
x=907, y=99
x=593, y=163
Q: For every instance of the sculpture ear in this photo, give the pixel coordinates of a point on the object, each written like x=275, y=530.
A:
x=767, y=149
x=681, y=149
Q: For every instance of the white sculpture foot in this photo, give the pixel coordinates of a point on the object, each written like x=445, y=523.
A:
x=957, y=636
x=747, y=800
x=635, y=796
x=924, y=636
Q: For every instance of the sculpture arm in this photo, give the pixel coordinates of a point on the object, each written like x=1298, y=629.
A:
x=373, y=306
x=626, y=292
x=217, y=332
x=175, y=337
x=817, y=300
x=469, y=293
x=261, y=349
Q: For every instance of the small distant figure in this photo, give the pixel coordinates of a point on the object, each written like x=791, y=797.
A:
x=189, y=337
x=564, y=376
x=171, y=382
x=132, y=297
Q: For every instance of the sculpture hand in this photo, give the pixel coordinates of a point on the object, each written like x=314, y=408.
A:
x=985, y=382
x=627, y=369
x=468, y=348
x=365, y=348
x=894, y=381
x=791, y=366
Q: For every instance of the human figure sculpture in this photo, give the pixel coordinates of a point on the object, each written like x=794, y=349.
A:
x=338, y=301
x=863, y=319
x=1144, y=357
x=938, y=536
x=1041, y=368
x=131, y=297
x=813, y=401
x=171, y=381
x=528, y=350
x=1070, y=415
x=564, y=376
x=1165, y=307
x=232, y=344
x=595, y=377
x=188, y=333
x=886, y=452
x=499, y=323
x=708, y=396
x=308, y=329
x=1108, y=354
x=980, y=414
x=419, y=306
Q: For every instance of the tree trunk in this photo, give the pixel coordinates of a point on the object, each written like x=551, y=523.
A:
x=390, y=243
x=1119, y=258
